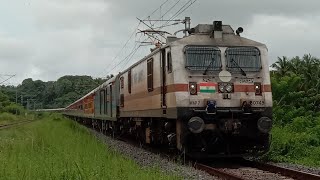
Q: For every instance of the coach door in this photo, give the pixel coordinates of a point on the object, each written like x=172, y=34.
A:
x=163, y=81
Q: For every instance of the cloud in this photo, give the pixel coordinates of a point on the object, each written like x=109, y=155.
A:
x=286, y=36
x=71, y=14
x=12, y=49
x=46, y=39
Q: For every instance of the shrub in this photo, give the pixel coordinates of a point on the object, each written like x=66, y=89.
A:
x=13, y=109
x=7, y=117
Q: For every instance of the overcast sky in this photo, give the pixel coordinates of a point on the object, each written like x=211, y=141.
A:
x=46, y=39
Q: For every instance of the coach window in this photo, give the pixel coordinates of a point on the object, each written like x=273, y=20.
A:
x=121, y=82
x=169, y=62
x=106, y=101
x=129, y=81
x=150, y=74
x=101, y=101
x=122, y=100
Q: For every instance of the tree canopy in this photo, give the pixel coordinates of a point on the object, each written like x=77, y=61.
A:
x=35, y=94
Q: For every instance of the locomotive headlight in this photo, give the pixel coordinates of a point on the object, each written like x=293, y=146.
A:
x=193, y=88
x=225, y=87
x=257, y=88
x=221, y=88
x=229, y=88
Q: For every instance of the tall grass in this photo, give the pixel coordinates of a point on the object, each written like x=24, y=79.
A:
x=57, y=148
x=7, y=117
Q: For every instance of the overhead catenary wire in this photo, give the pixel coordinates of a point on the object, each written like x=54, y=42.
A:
x=131, y=36
x=133, y=51
x=181, y=10
x=192, y=2
x=128, y=58
x=159, y=8
x=131, y=57
x=10, y=77
x=170, y=9
x=119, y=52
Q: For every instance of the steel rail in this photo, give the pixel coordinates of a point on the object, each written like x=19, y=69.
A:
x=5, y=126
x=217, y=172
x=300, y=175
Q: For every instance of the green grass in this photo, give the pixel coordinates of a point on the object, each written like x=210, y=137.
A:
x=56, y=148
x=7, y=118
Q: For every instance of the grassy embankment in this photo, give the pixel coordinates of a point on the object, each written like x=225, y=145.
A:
x=55, y=148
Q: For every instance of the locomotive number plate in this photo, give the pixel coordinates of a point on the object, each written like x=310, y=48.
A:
x=195, y=103
x=246, y=80
x=256, y=103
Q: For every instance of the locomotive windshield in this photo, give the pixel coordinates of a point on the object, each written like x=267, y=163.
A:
x=203, y=58
x=243, y=59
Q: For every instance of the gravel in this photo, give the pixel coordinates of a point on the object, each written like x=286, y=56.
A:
x=298, y=168
x=253, y=173
x=149, y=159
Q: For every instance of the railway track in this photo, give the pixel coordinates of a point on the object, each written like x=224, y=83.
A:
x=239, y=169
x=5, y=126
x=255, y=170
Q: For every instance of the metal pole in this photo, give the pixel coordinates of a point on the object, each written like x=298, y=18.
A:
x=16, y=101
x=27, y=104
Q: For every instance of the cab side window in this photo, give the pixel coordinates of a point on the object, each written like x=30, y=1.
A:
x=150, y=74
x=129, y=81
x=169, y=62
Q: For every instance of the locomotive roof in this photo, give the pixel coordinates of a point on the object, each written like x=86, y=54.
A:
x=228, y=40
x=203, y=35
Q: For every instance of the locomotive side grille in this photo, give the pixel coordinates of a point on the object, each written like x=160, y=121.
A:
x=248, y=58
x=200, y=58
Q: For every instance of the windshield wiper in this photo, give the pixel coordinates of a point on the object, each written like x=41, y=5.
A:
x=205, y=72
x=242, y=71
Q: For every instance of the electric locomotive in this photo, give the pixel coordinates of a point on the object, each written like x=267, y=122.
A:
x=207, y=93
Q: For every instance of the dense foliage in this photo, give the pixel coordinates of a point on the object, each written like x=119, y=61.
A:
x=296, y=97
x=53, y=94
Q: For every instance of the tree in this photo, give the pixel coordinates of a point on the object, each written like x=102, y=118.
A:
x=282, y=66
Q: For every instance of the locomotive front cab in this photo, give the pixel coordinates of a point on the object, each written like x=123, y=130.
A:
x=230, y=102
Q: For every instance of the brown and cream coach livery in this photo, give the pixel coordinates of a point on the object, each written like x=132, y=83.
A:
x=206, y=94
